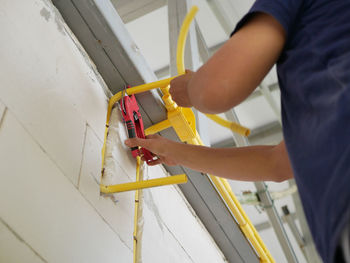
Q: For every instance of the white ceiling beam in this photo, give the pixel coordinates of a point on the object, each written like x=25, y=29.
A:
x=130, y=10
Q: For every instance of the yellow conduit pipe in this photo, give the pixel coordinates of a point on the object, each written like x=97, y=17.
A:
x=242, y=219
x=220, y=183
x=134, y=90
x=181, y=41
x=163, y=84
x=242, y=222
x=230, y=125
x=118, y=188
x=158, y=127
x=235, y=200
x=183, y=123
x=180, y=55
x=136, y=213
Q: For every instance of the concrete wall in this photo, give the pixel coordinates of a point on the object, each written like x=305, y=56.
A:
x=52, y=113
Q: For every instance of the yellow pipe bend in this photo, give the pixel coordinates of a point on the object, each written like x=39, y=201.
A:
x=221, y=184
x=181, y=42
x=134, y=90
x=180, y=55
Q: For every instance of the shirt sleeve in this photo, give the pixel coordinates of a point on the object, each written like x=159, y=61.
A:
x=285, y=12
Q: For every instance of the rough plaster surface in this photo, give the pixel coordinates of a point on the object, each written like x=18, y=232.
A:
x=52, y=112
x=45, y=209
x=117, y=154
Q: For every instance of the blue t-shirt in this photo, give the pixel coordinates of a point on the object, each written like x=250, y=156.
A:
x=314, y=77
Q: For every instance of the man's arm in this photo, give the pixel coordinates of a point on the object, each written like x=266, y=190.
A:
x=253, y=163
x=233, y=72
x=220, y=84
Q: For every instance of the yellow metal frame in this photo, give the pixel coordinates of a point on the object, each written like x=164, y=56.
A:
x=183, y=122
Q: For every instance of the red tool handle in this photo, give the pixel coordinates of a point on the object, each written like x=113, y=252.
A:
x=132, y=134
x=134, y=124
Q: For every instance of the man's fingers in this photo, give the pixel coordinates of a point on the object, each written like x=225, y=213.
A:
x=155, y=162
x=152, y=143
x=133, y=142
x=153, y=136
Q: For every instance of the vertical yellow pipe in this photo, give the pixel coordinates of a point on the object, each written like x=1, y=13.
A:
x=136, y=213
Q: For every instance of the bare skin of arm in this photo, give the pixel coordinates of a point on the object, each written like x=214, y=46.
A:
x=220, y=84
x=253, y=163
x=233, y=72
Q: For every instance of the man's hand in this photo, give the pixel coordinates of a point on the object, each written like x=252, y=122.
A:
x=161, y=147
x=178, y=89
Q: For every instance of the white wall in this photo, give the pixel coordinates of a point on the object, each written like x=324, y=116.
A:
x=52, y=113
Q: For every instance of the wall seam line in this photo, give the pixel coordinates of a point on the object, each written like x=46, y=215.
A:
x=2, y=118
x=40, y=146
x=107, y=223
x=19, y=238
x=64, y=174
x=82, y=156
x=189, y=256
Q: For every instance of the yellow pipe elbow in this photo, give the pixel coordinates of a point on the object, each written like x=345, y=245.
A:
x=164, y=83
x=180, y=54
x=135, y=90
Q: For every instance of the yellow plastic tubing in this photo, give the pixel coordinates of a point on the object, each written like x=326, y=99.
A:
x=180, y=55
x=230, y=125
x=221, y=184
x=136, y=248
x=243, y=221
x=183, y=121
x=181, y=41
x=175, y=179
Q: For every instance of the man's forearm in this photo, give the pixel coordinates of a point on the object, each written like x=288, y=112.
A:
x=253, y=163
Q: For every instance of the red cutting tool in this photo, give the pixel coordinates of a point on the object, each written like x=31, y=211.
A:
x=134, y=124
